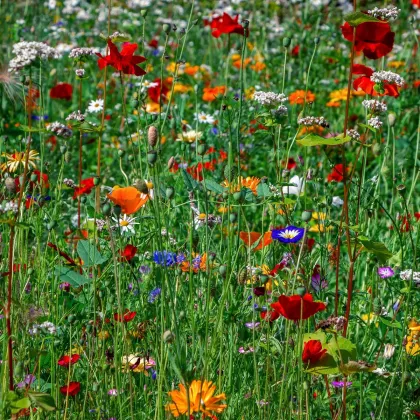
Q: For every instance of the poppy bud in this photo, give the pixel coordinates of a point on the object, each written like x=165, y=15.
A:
x=63, y=149
x=391, y=119
x=10, y=184
x=171, y=162
x=33, y=177
x=106, y=209
x=301, y=290
x=306, y=216
x=144, y=12
x=152, y=136
x=141, y=186
x=117, y=211
x=222, y=270
x=166, y=28
x=170, y=191
x=201, y=149
x=286, y=42
x=168, y=336
x=121, y=152
x=317, y=40
x=51, y=225
x=239, y=196
x=233, y=217
x=71, y=319
x=67, y=157
x=152, y=157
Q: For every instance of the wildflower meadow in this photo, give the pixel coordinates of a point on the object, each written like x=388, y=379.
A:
x=209, y=209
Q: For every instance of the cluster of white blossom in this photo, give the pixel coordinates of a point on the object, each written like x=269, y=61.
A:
x=309, y=121
x=354, y=134
x=269, y=98
x=46, y=326
x=375, y=106
x=76, y=116
x=27, y=52
x=387, y=76
x=410, y=274
x=81, y=52
x=9, y=206
x=60, y=129
x=386, y=13
x=375, y=122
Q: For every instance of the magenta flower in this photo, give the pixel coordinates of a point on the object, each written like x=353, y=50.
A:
x=385, y=272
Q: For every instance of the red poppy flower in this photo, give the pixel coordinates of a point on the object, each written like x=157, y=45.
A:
x=124, y=61
x=128, y=252
x=337, y=173
x=277, y=268
x=270, y=315
x=154, y=92
x=226, y=25
x=72, y=389
x=250, y=238
x=127, y=317
x=62, y=91
x=295, y=51
x=364, y=83
x=66, y=361
x=85, y=188
x=312, y=351
x=41, y=178
x=375, y=39
x=297, y=307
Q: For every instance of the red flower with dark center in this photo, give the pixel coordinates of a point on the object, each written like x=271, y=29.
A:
x=128, y=252
x=364, y=83
x=337, y=173
x=226, y=25
x=85, y=188
x=375, y=39
x=125, y=61
x=72, y=389
x=154, y=92
x=297, y=307
x=66, y=361
x=312, y=351
x=127, y=317
x=62, y=91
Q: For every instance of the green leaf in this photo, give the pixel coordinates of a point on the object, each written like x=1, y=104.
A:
x=354, y=228
x=263, y=190
x=390, y=323
x=377, y=248
x=89, y=254
x=326, y=366
x=69, y=276
x=42, y=400
x=319, y=335
x=190, y=183
x=355, y=367
x=357, y=18
x=341, y=349
x=213, y=186
x=18, y=405
x=315, y=140
x=368, y=127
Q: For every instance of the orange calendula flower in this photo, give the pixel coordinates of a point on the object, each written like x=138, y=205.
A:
x=130, y=199
x=250, y=182
x=199, y=398
x=198, y=262
x=250, y=238
x=413, y=340
x=338, y=96
x=211, y=93
x=298, y=97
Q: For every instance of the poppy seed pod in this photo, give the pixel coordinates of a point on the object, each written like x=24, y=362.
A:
x=301, y=290
x=286, y=42
x=63, y=149
x=106, y=209
x=117, y=210
x=34, y=177
x=170, y=191
x=166, y=28
x=152, y=157
x=233, y=217
x=222, y=270
x=171, y=162
x=10, y=184
x=141, y=186
x=121, y=152
x=391, y=119
x=201, y=149
x=306, y=216
x=152, y=136
x=144, y=12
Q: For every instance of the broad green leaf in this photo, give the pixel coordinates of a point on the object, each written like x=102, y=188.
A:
x=357, y=18
x=69, y=276
x=89, y=254
x=390, y=323
x=326, y=366
x=355, y=367
x=21, y=404
x=42, y=400
x=377, y=248
x=190, y=183
x=213, y=186
x=319, y=335
x=263, y=190
x=368, y=127
x=315, y=140
x=341, y=349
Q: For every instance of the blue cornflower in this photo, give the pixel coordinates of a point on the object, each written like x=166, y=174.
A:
x=290, y=234
x=154, y=294
x=164, y=258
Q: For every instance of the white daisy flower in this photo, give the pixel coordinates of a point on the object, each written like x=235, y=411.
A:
x=96, y=106
x=125, y=223
x=204, y=118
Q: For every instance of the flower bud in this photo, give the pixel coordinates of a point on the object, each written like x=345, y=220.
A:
x=286, y=42
x=141, y=185
x=301, y=291
x=121, y=152
x=306, y=216
x=391, y=119
x=169, y=192
x=144, y=12
x=117, y=211
x=152, y=136
x=152, y=157
x=168, y=336
x=10, y=184
x=222, y=270
x=317, y=40
x=166, y=28
x=106, y=209
x=201, y=149
x=233, y=217
x=171, y=162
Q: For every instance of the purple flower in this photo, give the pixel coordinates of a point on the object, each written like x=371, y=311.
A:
x=64, y=286
x=252, y=325
x=113, y=392
x=144, y=269
x=290, y=234
x=154, y=294
x=340, y=384
x=385, y=272
x=317, y=281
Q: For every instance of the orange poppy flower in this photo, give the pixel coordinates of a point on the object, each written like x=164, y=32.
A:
x=130, y=199
x=298, y=97
x=252, y=237
x=211, y=93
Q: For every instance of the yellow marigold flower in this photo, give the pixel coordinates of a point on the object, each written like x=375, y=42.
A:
x=152, y=108
x=199, y=398
x=137, y=364
x=336, y=96
x=298, y=97
x=413, y=340
x=396, y=64
x=14, y=160
x=250, y=182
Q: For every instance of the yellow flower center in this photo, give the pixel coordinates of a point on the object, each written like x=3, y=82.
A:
x=124, y=223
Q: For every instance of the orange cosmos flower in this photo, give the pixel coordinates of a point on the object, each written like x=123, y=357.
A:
x=130, y=199
x=211, y=93
x=200, y=399
x=298, y=97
